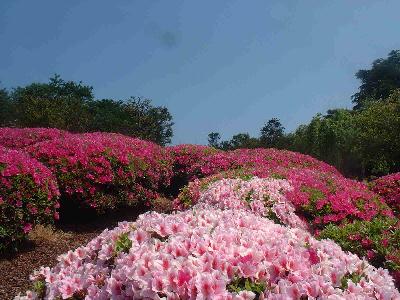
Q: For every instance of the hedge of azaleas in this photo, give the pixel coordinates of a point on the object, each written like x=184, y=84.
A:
x=28, y=195
x=218, y=190
x=208, y=253
x=19, y=138
x=102, y=171
x=388, y=187
x=196, y=161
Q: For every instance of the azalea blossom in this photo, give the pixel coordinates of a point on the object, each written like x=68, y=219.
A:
x=204, y=253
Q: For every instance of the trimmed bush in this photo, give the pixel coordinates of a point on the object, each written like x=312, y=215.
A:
x=18, y=138
x=207, y=253
x=28, y=195
x=101, y=171
x=388, y=187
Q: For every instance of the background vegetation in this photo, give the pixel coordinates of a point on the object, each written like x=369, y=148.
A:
x=71, y=106
x=360, y=142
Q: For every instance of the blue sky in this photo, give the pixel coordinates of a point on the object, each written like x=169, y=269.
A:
x=225, y=66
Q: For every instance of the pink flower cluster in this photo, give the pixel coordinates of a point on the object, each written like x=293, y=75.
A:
x=388, y=187
x=331, y=198
x=18, y=138
x=28, y=195
x=264, y=197
x=207, y=253
x=104, y=170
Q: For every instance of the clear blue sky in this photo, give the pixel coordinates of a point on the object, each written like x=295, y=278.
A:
x=225, y=66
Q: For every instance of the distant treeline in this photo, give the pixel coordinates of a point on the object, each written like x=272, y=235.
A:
x=71, y=106
x=361, y=142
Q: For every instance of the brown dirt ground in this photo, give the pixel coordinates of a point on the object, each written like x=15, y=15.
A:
x=43, y=248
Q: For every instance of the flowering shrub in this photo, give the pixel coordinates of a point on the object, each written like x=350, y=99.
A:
x=264, y=197
x=207, y=253
x=187, y=157
x=319, y=197
x=18, y=138
x=377, y=240
x=102, y=170
x=194, y=161
x=325, y=198
x=28, y=195
x=388, y=187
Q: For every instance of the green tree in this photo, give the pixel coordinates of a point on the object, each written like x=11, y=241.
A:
x=241, y=140
x=71, y=106
x=60, y=104
x=331, y=138
x=378, y=138
x=147, y=121
x=378, y=82
x=272, y=133
x=214, y=139
x=6, y=110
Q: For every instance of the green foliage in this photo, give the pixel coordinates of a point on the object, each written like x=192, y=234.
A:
x=6, y=109
x=239, y=284
x=378, y=137
x=123, y=243
x=39, y=287
x=330, y=138
x=71, y=106
x=378, y=82
x=272, y=133
x=213, y=139
x=58, y=104
x=354, y=277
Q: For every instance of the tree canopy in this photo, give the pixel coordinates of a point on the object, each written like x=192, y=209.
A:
x=378, y=82
x=71, y=106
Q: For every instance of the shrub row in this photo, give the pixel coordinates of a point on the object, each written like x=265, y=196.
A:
x=102, y=171
x=196, y=161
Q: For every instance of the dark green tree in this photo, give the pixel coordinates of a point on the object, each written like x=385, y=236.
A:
x=147, y=121
x=378, y=138
x=272, y=133
x=6, y=111
x=71, y=106
x=214, y=139
x=60, y=104
x=378, y=82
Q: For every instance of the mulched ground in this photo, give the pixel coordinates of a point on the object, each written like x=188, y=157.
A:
x=15, y=270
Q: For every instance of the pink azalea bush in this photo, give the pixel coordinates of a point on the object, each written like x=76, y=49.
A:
x=28, y=195
x=200, y=161
x=325, y=198
x=207, y=253
x=101, y=171
x=319, y=197
x=388, y=187
x=18, y=138
x=264, y=197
